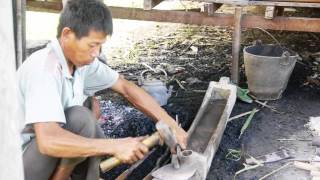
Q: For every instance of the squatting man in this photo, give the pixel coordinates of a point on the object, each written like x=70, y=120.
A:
x=62, y=139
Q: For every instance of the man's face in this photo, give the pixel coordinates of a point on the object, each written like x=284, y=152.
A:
x=80, y=52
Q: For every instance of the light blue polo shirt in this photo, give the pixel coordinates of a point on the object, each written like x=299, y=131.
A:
x=46, y=88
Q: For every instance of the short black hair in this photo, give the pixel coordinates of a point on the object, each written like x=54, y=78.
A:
x=81, y=16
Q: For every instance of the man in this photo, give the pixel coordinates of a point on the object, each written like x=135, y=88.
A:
x=53, y=83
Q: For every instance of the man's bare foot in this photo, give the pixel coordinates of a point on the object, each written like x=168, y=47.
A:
x=62, y=173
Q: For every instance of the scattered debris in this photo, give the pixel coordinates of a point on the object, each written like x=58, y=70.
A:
x=248, y=166
x=274, y=171
x=314, y=125
x=193, y=80
x=270, y=107
x=241, y=115
x=234, y=155
x=172, y=69
x=242, y=94
x=306, y=166
x=194, y=50
x=294, y=139
x=180, y=85
x=271, y=157
x=316, y=141
x=248, y=121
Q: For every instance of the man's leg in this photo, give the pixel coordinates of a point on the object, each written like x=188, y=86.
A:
x=80, y=121
x=39, y=167
x=36, y=165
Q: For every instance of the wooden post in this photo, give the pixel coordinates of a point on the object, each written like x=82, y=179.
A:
x=211, y=8
x=236, y=45
x=10, y=151
x=149, y=4
x=19, y=7
x=270, y=12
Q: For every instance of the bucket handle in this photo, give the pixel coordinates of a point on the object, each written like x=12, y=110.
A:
x=157, y=70
x=265, y=31
x=285, y=58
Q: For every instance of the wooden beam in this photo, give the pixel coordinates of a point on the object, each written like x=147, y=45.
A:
x=44, y=5
x=217, y=19
x=196, y=18
x=149, y=4
x=283, y=23
x=310, y=3
x=305, y=1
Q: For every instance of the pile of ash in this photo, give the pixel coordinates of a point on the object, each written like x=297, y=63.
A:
x=118, y=121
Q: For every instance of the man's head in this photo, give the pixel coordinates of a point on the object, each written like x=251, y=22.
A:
x=83, y=28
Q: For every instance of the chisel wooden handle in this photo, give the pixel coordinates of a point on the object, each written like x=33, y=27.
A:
x=113, y=161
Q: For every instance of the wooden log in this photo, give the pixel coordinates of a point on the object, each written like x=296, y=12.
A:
x=10, y=151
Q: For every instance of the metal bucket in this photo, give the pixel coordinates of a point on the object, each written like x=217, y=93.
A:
x=268, y=68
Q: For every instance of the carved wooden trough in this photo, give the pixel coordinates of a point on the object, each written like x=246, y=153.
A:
x=204, y=134
x=204, y=137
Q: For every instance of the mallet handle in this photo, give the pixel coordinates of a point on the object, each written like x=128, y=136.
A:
x=112, y=162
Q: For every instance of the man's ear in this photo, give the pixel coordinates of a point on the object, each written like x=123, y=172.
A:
x=67, y=34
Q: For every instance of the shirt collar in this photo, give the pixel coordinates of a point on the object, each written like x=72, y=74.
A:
x=55, y=45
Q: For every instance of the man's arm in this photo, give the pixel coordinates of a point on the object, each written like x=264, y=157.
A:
x=144, y=102
x=55, y=141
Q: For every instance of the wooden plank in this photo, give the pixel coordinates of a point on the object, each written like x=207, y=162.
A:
x=285, y=4
x=10, y=151
x=196, y=18
x=58, y=5
x=249, y=21
x=305, y=1
x=218, y=19
x=283, y=23
x=264, y=3
x=149, y=4
x=42, y=5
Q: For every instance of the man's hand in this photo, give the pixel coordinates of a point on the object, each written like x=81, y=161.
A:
x=130, y=150
x=181, y=136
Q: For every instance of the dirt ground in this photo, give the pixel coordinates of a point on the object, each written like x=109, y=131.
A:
x=193, y=56
x=173, y=51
